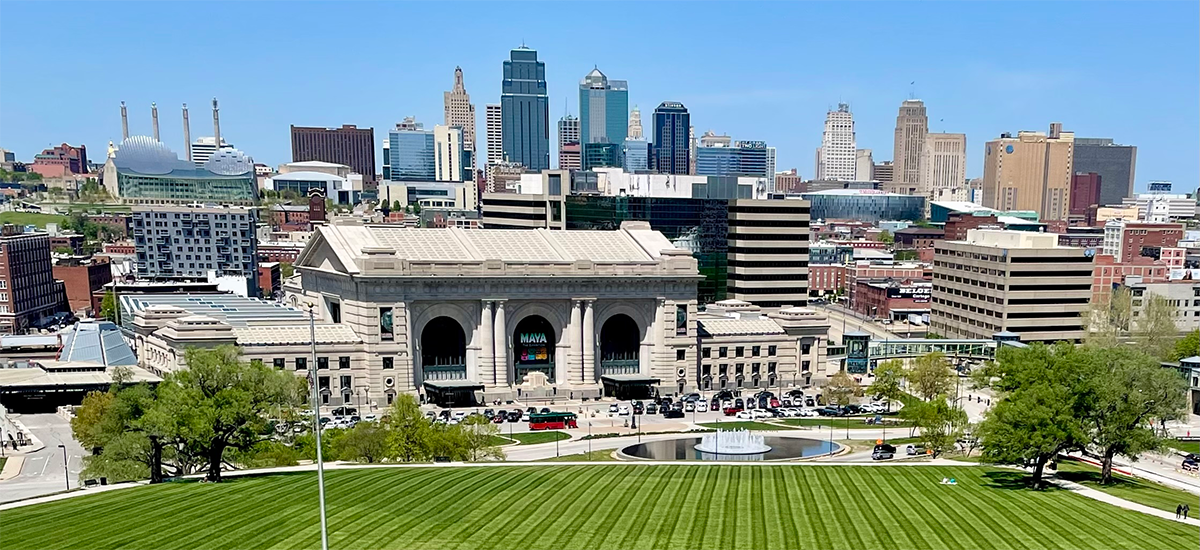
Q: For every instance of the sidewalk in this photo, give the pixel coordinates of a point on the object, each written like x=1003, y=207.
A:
x=12, y=467
x=1116, y=501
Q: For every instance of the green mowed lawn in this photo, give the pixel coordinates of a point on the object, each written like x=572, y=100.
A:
x=533, y=438
x=1186, y=446
x=31, y=218
x=599, y=507
x=1137, y=490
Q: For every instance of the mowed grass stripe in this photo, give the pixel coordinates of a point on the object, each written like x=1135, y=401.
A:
x=614, y=506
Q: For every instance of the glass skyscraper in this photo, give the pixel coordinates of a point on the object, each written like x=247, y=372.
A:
x=672, y=147
x=411, y=148
x=603, y=109
x=636, y=154
x=744, y=158
x=525, y=111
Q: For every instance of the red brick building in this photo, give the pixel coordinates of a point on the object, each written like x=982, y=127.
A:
x=1108, y=274
x=73, y=158
x=269, y=278
x=1142, y=239
x=82, y=279
x=73, y=241
x=892, y=298
x=284, y=251
x=120, y=248
x=825, y=279
x=27, y=288
x=917, y=238
x=957, y=224
x=1085, y=192
x=286, y=215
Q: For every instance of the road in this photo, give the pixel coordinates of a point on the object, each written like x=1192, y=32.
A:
x=842, y=320
x=42, y=471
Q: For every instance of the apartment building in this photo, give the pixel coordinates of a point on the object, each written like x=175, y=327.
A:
x=28, y=293
x=184, y=242
x=1016, y=281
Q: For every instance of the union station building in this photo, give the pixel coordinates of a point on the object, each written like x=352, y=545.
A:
x=463, y=316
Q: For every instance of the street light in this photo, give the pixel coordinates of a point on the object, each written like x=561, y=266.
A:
x=316, y=405
x=66, y=472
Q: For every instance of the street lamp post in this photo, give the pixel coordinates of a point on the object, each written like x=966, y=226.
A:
x=316, y=405
x=66, y=471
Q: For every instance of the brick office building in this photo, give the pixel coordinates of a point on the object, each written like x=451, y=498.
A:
x=27, y=288
x=892, y=298
x=82, y=278
x=1085, y=192
x=1124, y=239
x=349, y=145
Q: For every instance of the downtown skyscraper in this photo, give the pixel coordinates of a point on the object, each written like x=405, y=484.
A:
x=912, y=129
x=460, y=113
x=836, y=158
x=603, y=109
x=568, y=143
x=672, y=141
x=525, y=110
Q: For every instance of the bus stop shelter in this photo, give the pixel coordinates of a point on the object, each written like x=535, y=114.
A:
x=452, y=393
x=629, y=386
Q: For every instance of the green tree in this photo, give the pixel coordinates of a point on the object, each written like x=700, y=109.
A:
x=410, y=430
x=478, y=436
x=841, y=388
x=930, y=376
x=1126, y=391
x=1154, y=327
x=64, y=250
x=416, y=208
x=887, y=237
x=1036, y=418
x=1109, y=319
x=367, y=441
x=286, y=269
x=126, y=441
x=887, y=381
x=108, y=307
x=219, y=403
x=397, y=206
x=940, y=423
x=1188, y=346
x=905, y=255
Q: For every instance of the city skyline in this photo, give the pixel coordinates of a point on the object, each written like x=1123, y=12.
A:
x=971, y=90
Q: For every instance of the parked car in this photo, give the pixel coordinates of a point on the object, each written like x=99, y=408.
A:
x=913, y=450
x=786, y=402
x=371, y=418
x=692, y=397
x=545, y=410
x=460, y=415
x=623, y=410
x=762, y=413
x=808, y=412
x=614, y=408
x=673, y=413
x=345, y=411
x=883, y=451
x=774, y=402
x=499, y=418
x=853, y=409
x=731, y=411
x=651, y=408
x=745, y=415
x=726, y=404
x=689, y=407
x=531, y=410
x=715, y=404
x=514, y=416
x=1190, y=465
x=489, y=413
x=702, y=406
x=809, y=402
x=739, y=403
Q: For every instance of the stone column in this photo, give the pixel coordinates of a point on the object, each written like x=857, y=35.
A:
x=487, y=365
x=501, y=345
x=575, y=338
x=589, y=342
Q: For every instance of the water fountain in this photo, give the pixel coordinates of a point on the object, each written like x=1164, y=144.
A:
x=732, y=442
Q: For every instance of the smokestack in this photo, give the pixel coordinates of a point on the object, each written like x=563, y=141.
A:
x=124, y=122
x=216, y=125
x=187, y=135
x=154, y=117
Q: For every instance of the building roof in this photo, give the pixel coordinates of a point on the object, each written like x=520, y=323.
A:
x=307, y=176
x=919, y=231
x=289, y=208
x=964, y=207
x=237, y=311
x=97, y=342
x=739, y=327
x=294, y=335
x=64, y=375
x=635, y=244
x=855, y=192
x=315, y=164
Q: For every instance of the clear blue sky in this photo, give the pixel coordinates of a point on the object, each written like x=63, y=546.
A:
x=769, y=72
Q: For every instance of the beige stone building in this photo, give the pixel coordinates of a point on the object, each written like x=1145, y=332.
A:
x=460, y=113
x=1015, y=281
x=743, y=347
x=945, y=165
x=912, y=128
x=1031, y=171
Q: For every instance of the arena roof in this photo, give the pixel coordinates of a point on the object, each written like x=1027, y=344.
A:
x=237, y=311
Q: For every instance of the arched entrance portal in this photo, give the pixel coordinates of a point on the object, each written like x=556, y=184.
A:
x=620, y=342
x=533, y=348
x=443, y=350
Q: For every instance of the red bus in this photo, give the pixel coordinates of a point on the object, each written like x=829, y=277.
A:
x=552, y=421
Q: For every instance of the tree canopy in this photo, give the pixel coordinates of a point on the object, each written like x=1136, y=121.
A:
x=931, y=376
x=887, y=381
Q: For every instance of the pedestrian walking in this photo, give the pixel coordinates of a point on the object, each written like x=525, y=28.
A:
x=1178, y=511
x=1186, y=508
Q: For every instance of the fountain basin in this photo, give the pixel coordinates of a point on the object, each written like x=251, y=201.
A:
x=732, y=442
x=684, y=448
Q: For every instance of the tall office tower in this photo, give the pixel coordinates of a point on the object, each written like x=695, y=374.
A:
x=692, y=144
x=838, y=146
x=912, y=128
x=1016, y=281
x=603, y=109
x=568, y=133
x=449, y=144
x=1114, y=163
x=770, y=173
x=863, y=164
x=635, y=123
x=1030, y=172
x=525, y=109
x=412, y=148
x=570, y=157
x=205, y=147
x=768, y=252
x=743, y=158
x=672, y=144
x=495, y=132
x=349, y=145
x=945, y=163
x=635, y=155
x=461, y=114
